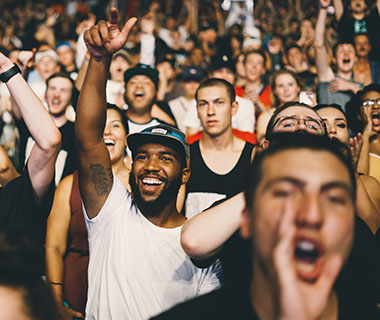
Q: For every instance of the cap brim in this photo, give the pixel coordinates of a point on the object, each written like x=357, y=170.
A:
x=135, y=140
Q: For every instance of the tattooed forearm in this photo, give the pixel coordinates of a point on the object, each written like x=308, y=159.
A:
x=101, y=178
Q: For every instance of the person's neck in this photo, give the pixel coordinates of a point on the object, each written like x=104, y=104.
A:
x=170, y=86
x=362, y=60
x=118, y=166
x=59, y=120
x=222, y=142
x=345, y=75
x=189, y=97
x=169, y=217
x=264, y=304
x=253, y=84
x=70, y=68
x=139, y=117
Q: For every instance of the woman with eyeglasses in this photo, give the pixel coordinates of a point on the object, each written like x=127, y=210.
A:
x=363, y=115
x=368, y=188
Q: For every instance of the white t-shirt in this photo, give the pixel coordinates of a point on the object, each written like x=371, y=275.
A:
x=137, y=269
x=243, y=120
x=179, y=108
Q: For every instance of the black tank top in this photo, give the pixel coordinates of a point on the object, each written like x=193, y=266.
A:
x=202, y=179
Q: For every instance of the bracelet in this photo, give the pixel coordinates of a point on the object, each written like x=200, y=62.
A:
x=323, y=7
x=5, y=76
x=56, y=283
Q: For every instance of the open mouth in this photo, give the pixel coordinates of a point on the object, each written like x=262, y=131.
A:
x=152, y=181
x=308, y=259
x=375, y=118
x=109, y=143
x=139, y=95
x=346, y=60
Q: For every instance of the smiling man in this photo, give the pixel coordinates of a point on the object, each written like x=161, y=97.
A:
x=137, y=266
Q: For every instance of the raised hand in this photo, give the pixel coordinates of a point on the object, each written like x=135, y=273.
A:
x=368, y=121
x=299, y=300
x=106, y=38
x=356, y=144
x=324, y=3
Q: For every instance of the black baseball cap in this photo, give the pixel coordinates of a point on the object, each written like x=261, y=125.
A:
x=141, y=69
x=162, y=134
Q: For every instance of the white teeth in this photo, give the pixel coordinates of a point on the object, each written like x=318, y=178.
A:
x=109, y=142
x=152, y=181
x=306, y=245
x=305, y=267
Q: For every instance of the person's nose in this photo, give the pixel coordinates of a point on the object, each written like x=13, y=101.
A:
x=211, y=109
x=310, y=212
x=152, y=164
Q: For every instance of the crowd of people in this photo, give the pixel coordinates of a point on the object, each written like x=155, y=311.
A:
x=190, y=159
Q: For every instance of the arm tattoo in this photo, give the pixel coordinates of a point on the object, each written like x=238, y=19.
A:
x=101, y=178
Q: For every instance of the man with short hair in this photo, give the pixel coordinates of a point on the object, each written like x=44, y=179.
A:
x=137, y=267
x=299, y=212
x=219, y=158
x=340, y=86
x=58, y=95
x=244, y=120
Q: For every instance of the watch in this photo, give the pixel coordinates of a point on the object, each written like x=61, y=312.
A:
x=5, y=76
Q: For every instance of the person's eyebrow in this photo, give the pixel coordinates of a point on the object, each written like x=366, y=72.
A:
x=295, y=182
x=337, y=185
x=173, y=154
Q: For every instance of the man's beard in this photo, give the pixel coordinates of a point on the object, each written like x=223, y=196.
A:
x=155, y=207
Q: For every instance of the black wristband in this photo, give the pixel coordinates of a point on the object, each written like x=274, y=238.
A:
x=5, y=76
x=323, y=7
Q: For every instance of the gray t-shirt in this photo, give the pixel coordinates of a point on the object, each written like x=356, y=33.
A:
x=339, y=97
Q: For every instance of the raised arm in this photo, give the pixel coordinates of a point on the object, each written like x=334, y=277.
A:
x=204, y=234
x=41, y=163
x=95, y=173
x=323, y=69
x=339, y=9
x=378, y=6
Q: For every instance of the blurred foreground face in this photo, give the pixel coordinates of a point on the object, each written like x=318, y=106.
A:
x=316, y=186
x=12, y=306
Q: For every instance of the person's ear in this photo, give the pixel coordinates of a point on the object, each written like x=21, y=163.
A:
x=245, y=225
x=234, y=107
x=186, y=172
x=265, y=144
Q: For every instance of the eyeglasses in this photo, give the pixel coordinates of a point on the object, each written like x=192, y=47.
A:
x=371, y=102
x=291, y=122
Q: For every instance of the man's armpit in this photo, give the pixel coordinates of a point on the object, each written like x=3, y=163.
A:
x=101, y=178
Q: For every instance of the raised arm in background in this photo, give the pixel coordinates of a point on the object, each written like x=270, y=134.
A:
x=95, y=173
x=41, y=163
x=339, y=9
x=323, y=69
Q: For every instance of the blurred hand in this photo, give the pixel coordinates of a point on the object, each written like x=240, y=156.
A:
x=355, y=144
